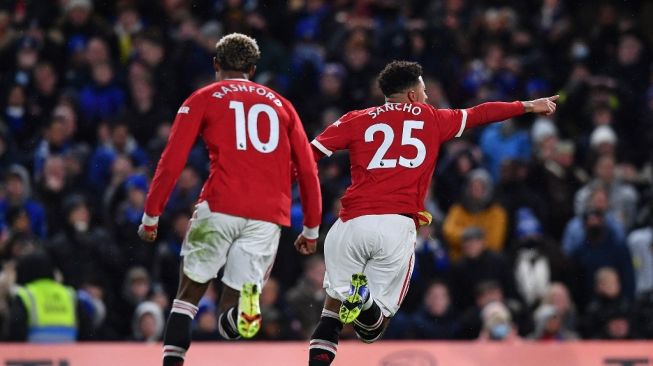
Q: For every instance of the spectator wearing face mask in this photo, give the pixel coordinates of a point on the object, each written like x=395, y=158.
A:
x=575, y=234
x=497, y=324
x=601, y=248
x=81, y=249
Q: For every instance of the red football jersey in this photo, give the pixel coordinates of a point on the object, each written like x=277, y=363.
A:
x=393, y=150
x=252, y=134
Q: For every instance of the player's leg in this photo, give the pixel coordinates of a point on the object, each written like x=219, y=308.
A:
x=388, y=273
x=176, y=340
x=248, y=266
x=343, y=255
x=324, y=341
x=204, y=252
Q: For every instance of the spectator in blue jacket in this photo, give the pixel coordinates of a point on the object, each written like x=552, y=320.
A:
x=575, y=234
x=120, y=142
x=103, y=99
x=18, y=195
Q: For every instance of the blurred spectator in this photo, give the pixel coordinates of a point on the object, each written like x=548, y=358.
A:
x=120, y=142
x=608, y=305
x=18, y=195
x=83, y=251
x=205, y=324
x=477, y=208
x=623, y=197
x=436, y=319
x=431, y=261
x=278, y=324
x=557, y=180
x=135, y=289
x=102, y=99
x=148, y=322
x=601, y=248
x=452, y=173
x=558, y=296
x=503, y=141
x=640, y=242
x=478, y=265
x=56, y=141
x=538, y=261
x=306, y=298
x=497, y=324
x=575, y=234
x=549, y=325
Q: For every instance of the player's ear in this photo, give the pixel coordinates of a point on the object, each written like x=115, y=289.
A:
x=216, y=64
x=251, y=72
x=412, y=96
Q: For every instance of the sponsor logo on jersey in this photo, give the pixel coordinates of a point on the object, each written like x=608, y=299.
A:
x=183, y=110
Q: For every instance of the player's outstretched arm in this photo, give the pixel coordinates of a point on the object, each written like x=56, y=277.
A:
x=456, y=121
x=183, y=135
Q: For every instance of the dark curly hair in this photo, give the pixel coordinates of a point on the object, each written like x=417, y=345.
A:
x=237, y=52
x=398, y=76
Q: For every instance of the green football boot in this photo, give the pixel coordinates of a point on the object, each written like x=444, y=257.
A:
x=249, y=311
x=358, y=295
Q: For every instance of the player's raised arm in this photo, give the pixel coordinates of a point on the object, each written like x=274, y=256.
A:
x=456, y=121
x=309, y=184
x=183, y=135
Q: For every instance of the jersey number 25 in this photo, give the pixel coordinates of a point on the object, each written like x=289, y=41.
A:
x=378, y=161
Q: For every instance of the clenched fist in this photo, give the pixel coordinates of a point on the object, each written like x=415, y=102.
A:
x=147, y=232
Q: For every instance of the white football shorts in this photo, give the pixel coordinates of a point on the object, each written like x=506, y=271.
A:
x=245, y=247
x=380, y=246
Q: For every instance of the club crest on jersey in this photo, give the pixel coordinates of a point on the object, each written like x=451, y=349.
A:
x=183, y=110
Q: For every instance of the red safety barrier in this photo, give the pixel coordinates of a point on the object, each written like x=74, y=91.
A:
x=349, y=354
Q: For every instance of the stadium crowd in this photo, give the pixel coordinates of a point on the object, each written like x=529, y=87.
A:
x=543, y=228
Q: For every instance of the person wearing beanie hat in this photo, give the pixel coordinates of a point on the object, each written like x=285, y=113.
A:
x=603, y=140
x=477, y=208
x=544, y=135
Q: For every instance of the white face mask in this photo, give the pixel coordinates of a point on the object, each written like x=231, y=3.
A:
x=15, y=111
x=81, y=226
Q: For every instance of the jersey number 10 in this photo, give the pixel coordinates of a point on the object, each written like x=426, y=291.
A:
x=378, y=162
x=252, y=127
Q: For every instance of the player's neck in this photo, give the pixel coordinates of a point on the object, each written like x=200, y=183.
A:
x=397, y=99
x=226, y=75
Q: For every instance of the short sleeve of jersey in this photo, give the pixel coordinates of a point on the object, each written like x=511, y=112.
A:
x=451, y=122
x=335, y=137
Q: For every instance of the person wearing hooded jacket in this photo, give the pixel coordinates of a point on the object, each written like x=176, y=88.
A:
x=18, y=195
x=477, y=208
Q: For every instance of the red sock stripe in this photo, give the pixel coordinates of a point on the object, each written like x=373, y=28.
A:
x=404, y=287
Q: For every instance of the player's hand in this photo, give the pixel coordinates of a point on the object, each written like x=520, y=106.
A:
x=544, y=106
x=305, y=246
x=147, y=233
